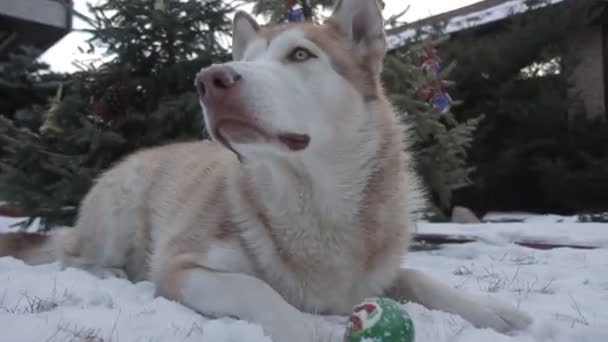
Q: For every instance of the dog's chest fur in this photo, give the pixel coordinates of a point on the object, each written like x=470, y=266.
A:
x=316, y=254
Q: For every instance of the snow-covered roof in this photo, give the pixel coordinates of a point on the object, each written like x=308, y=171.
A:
x=495, y=11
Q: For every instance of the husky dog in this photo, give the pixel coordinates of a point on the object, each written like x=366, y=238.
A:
x=302, y=204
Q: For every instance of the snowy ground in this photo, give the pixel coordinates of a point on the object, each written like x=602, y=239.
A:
x=566, y=290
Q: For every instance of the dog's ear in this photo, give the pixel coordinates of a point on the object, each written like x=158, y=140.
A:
x=244, y=29
x=362, y=22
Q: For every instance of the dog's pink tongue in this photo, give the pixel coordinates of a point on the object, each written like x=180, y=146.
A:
x=240, y=133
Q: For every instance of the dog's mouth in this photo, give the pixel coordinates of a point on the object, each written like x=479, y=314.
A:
x=233, y=131
x=294, y=141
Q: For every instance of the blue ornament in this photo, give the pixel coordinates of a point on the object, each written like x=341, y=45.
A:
x=295, y=14
x=442, y=102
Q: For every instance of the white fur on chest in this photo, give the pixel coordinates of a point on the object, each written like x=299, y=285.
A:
x=314, y=262
x=320, y=276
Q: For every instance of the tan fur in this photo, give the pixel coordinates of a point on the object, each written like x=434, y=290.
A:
x=360, y=71
x=355, y=68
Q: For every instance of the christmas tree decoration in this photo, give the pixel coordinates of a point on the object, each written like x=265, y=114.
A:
x=438, y=98
x=431, y=64
x=425, y=94
x=111, y=108
x=379, y=320
x=295, y=12
x=442, y=102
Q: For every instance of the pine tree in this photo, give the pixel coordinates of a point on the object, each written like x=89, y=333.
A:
x=418, y=88
x=533, y=152
x=142, y=96
x=278, y=11
x=25, y=81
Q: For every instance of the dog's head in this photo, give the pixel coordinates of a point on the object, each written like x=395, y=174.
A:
x=296, y=89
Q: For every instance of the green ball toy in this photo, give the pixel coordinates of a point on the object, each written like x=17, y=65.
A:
x=379, y=320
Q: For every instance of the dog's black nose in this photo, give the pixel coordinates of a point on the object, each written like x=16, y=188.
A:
x=216, y=81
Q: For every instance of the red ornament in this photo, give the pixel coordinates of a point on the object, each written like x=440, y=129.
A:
x=425, y=94
x=113, y=104
x=439, y=99
x=432, y=64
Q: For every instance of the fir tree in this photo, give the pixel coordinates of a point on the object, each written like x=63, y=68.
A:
x=534, y=151
x=418, y=88
x=142, y=96
x=25, y=81
x=277, y=11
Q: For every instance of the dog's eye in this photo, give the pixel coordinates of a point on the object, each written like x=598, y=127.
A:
x=300, y=54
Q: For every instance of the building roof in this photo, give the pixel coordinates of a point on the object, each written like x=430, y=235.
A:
x=480, y=13
x=38, y=23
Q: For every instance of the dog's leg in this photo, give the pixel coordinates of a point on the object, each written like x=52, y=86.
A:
x=88, y=255
x=482, y=312
x=218, y=294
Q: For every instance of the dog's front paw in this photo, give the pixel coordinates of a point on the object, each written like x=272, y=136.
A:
x=502, y=317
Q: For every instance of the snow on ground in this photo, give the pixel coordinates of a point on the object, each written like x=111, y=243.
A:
x=565, y=290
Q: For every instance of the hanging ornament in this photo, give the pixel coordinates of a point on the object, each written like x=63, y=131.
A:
x=112, y=106
x=295, y=12
x=425, y=94
x=442, y=102
x=432, y=65
x=439, y=99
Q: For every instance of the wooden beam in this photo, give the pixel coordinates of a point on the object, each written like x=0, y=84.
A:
x=440, y=239
x=443, y=238
x=548, y=245
x=10, y=211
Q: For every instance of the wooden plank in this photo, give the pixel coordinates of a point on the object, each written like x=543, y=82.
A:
x=548, y=245
x=440, y=239
x=10, y=211
x=443, y=238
